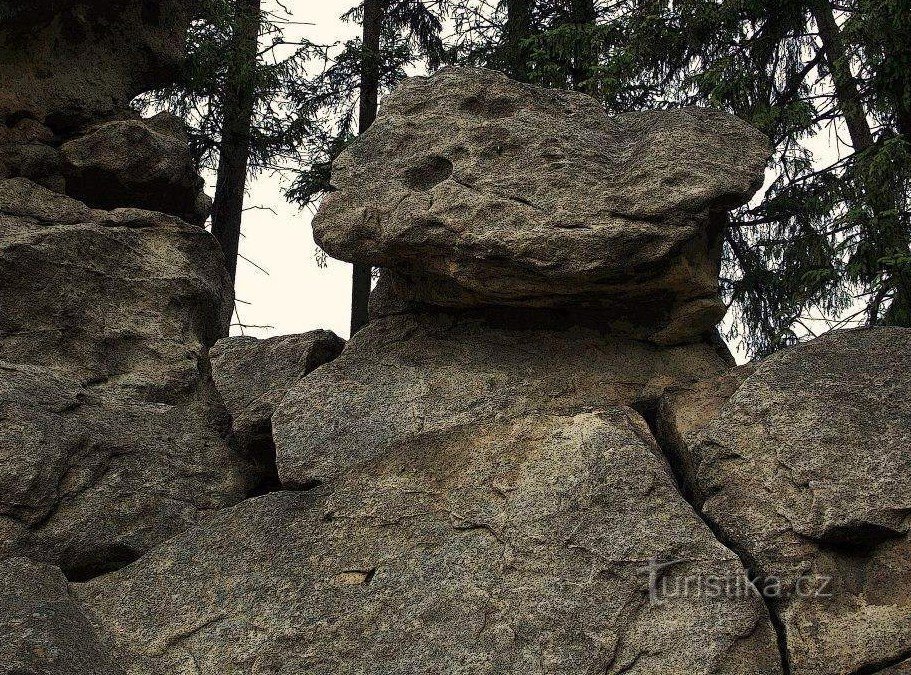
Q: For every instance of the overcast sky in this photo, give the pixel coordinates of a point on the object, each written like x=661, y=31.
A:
x=296, y=295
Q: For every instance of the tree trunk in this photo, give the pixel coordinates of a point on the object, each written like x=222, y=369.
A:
x=516, y=52
x=879, y=195
x=369, y=104
x=582, y=14
x=237, y=119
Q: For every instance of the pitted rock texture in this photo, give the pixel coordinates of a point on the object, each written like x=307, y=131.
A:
x=42, y=629
x=483, y=191
x=514, y=546
x=407, y=376
x=253, y=377
x=73, y=62
x=122, y=299
x=113, y=437
x=132, y=164
x=806, y=471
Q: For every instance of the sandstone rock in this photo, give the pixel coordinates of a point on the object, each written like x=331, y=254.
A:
x=806, y=471
x=72, y=62
x=124, y=299
x=253, y=377
x=131, y=164
x=411, y=375
x=42, y=630
x=478, y=190
x=510, y=546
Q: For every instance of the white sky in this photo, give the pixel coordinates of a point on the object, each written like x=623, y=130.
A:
x=296, y=295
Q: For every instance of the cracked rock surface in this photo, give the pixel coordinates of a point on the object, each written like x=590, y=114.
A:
x=806, y=470
x=483, y=191
x=112, y=436
x=253, y=376
x=509, y=546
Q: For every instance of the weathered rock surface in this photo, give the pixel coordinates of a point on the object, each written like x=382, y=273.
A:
x=253, y=377
x=72, y=62
x=481, y=190
x=122, y=299
x=42, y=629
x=514, y=546
x=408, y=376
x=113, y=437
x=806, y=470
x=90, y=483
x=131, y=163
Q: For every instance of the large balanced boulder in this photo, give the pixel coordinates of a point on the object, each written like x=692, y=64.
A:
x=72, y=62
x=478, y=190
x=515, y=546
x=804, y=468
x=410, y=376
x=42, y=629
x=253, y=377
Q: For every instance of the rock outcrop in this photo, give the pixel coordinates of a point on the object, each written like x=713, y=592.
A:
x=412, y=376
x=515, y=546
x=71, y=62
x=478, y=190
x=804, y=468
x=42, y=629
x=253, y=376
x=538, y=458
x=113, y=437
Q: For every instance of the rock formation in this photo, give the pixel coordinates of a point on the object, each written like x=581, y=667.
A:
x=253, y=376
x=478, y=190
x=42, y=629
x=538, y=458
x=112, y=435
x=803, y=466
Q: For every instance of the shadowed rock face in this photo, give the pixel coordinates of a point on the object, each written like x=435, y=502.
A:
x=804, y=467
x=253, y=376
x=514, y=546
x=479, y=190
x=112, y=436
x=42, y=629
x=72, y=62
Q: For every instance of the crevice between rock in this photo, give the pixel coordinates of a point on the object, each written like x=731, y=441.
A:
x=648, y=409
x=883, y=665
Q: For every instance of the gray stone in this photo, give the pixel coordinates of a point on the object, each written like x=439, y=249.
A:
x=131, y=164
x=406, y=376
x=253, y=377
x=123, y=299
x=509, y=546
x=479, y=190
x=113, y=437
x=805, y=470
x=42, y=629
x=72, y=62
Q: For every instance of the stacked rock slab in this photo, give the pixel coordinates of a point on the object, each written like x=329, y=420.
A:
x=112, y=435
x=802, y=463
x=480, y=191
x=473, y=486
x=253, y=376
